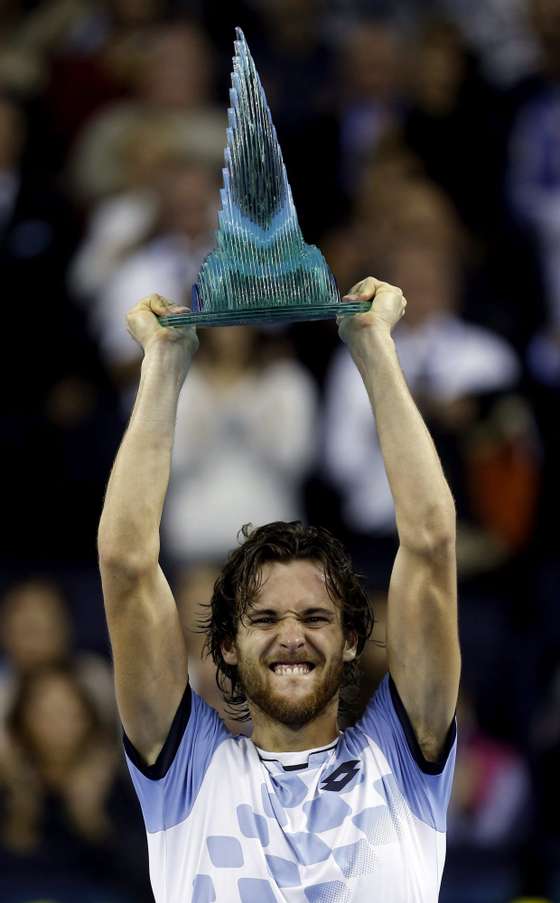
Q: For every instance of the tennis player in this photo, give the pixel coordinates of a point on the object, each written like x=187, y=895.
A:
x=301, y=811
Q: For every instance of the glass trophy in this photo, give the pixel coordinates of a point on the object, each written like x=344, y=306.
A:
x=261, y=270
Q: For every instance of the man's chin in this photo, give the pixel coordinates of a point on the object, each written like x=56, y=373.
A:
x=293, y=701
x=294, y=706
x=292, y=713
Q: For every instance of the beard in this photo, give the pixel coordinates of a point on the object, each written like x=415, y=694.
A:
x=279, y=706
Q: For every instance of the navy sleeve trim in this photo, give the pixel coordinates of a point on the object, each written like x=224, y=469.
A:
x=413, y=745
x=163, y=763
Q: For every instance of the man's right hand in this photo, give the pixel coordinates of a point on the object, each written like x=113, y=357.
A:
x=143, y=324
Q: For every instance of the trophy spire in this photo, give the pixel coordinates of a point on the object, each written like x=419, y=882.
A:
x=261, y=269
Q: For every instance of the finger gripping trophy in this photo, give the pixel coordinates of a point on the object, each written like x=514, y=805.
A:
x=261, y=270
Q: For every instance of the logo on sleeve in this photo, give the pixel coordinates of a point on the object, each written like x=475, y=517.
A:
x=342, y=776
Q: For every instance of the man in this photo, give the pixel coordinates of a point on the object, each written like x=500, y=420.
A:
x=299, y=812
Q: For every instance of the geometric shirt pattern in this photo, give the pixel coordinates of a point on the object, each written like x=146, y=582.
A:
x=359, y=821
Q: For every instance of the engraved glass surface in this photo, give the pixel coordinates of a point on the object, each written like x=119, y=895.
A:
x=261, y=270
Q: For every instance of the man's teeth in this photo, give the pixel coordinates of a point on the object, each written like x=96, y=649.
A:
x=291, y=669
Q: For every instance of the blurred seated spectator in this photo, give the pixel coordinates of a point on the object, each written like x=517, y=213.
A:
x=37, y=234
x=359, y=244
x=534, y=160
x=245, y=438
x=173, y=78
x=489, y=816
x=297, y=67
x=370, y=88
x=447, y=102
x=95, y=52
x=167, y=262
x=66, y=807
x=499, y=34
x=119, y=224
x=489, y=805
x=36, y=632
x=457, y=372
x=294, y=61
x=58, y=379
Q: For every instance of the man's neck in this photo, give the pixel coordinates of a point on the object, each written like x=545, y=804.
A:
x=274, y=736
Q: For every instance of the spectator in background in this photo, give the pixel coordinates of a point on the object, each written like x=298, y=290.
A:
x=36, y=632
x=534, y=150
x=361, y=242
x=119, y=224
x=447, y=104
x=168, y=261
x=55, y=384
x=534, y=195
x=245, y=438
x=370, y=93
x=173, y=78
x=297, y=68
x=489, y=818
x=499, y=34
x=489, y=806
x=65, y=831
x=450, y=365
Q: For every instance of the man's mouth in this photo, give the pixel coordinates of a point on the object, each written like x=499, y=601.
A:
x=292, y=667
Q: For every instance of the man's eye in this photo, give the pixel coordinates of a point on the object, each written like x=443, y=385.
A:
x=264, y=620
x=315, y=619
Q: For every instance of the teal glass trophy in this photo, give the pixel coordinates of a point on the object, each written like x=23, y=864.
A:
x=261, y=270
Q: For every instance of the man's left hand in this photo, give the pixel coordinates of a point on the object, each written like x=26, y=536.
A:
x=389, y=305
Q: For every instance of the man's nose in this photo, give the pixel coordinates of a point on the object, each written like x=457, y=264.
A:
x=291, y=634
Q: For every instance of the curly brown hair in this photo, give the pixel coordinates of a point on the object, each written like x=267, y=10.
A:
x=239, y=582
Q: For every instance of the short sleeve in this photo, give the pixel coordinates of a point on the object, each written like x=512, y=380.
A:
x=168, y=789
x=425, y=785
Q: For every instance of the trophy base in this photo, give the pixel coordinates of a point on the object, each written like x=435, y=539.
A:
x=267, y=315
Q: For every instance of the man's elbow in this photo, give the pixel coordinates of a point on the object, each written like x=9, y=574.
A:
x=128, y=564
x=433, y=533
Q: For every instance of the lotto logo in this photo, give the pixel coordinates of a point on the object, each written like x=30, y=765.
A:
x=342, y=776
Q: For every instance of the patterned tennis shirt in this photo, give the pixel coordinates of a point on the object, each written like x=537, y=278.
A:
x=361, y=820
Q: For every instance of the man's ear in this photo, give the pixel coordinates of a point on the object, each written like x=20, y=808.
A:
x=350, y=647
x=229, y=652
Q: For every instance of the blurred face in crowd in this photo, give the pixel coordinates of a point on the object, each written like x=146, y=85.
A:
x=370, y=63
x=56, y=720
x=392, y=166
x=427, y=277
x=545, y=19
x=11, y=134
x=290, y=647
x=35, y=626
x=136, y=12
x=420, y=209
x=293, y=23
x=229, y=345
x=178, y=69
x=189, y=198
x=145, y=148
x=438, y=68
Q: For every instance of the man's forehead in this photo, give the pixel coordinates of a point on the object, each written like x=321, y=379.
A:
x=294, y=582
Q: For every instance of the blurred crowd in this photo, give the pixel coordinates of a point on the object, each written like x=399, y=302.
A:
x=422, y=144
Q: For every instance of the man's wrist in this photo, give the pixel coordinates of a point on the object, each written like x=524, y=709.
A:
x=370, y=341
x=172, y=354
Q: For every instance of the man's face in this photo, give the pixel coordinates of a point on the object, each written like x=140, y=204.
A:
x=290, y=648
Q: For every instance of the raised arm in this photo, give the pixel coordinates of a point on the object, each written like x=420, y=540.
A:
x=149, y=653
x=422, y=635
